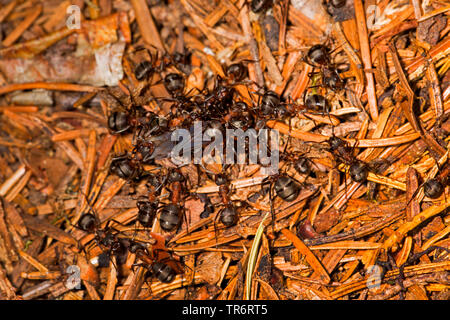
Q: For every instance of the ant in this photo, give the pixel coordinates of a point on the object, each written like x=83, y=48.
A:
x=181, y=60
x=174, y=83
x=236, y=72
x=208, y=206
x=171, y=214
x=143, y=146
x=164, y=270
x=317, y=102
x=318, y=56
x=434, y=188
x=148, y=67
x=270, y=105
x=122, y=121
x=219, y=101
x=103, y=237
x=301, y=163
x=228, y=215
x=358, y=170
x=148, y=206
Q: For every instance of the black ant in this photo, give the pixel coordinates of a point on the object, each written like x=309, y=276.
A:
x=174, y=83
x=181, y=60
x=316, y=102
x=143, y=146
x=122, y=121
x=286, y=188
x=219, y=101
x=148, y=67
x=270, y=105
x=236, y=72
x=434, y=188
x=301, y=163
x=208, y=206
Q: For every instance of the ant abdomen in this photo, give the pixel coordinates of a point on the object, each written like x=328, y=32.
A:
x=143, y=70
x=303, y=166
x=87, y=222
x=433, y=188
x=359, y=171
x=118, y=122
x=146, y=214
x=174, y=83
x=170, y=217
x=229, y=216
x=163, y=272
x=286, y=188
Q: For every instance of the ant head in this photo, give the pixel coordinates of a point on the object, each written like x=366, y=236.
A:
x=175, y=176
x=359, y=171
x=221, y=179
x=335, y=142
x=318, y=55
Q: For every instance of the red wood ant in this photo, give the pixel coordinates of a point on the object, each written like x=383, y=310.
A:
x=106, y=238
x=148, y=206
x=164, y=270
x=171, y=214
x=228, y=215
x=358, y=170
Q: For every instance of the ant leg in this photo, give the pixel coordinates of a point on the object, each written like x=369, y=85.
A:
x=272, y=212
x=215, y=225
